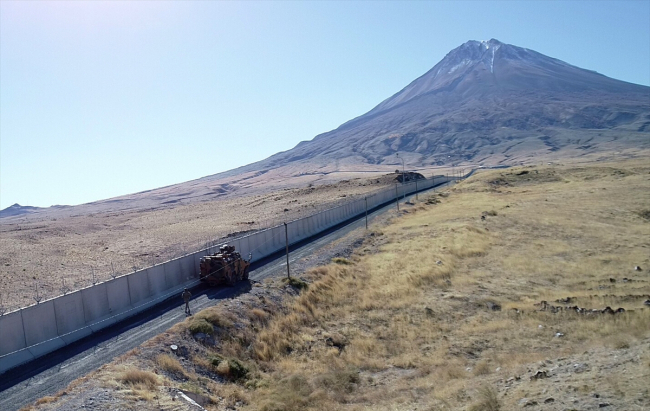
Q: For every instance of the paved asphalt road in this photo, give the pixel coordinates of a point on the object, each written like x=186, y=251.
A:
x=49, y=374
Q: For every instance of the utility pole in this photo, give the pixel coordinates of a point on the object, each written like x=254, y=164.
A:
x=366, y=200
x=396, y=197
x=403, y=174
x=286, y=237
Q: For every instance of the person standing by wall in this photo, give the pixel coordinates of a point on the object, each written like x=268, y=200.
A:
x=186, y=297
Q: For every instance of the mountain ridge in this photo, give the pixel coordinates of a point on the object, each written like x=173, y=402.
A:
x=484, y=103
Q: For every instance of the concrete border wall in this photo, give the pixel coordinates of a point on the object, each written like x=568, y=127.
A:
x=70, y=317
x=36, y=330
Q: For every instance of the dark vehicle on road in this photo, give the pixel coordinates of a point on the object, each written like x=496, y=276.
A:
x=225, y=267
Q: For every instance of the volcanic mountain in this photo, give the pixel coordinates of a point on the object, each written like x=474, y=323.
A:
x=486, y=102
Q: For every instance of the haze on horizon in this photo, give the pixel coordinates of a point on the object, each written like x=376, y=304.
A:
x=108, y=98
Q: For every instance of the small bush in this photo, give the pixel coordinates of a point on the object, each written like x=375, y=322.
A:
x=342, y=261
x=488, y=400
x=295, y=283
x=644, y=214
x=214, y=317
x=230, y=368
x=340, y=381
x=141, y=378
x=431, y=200
x=200, y=325
x=482, y=368
x=257, y=315
x=290, y=394
x=45, y=400
x=216, y=359
x=170, y=364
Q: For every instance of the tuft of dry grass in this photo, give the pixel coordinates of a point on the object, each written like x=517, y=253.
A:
x=201, y=325
x=295, y=283
x=45, y=400
x=141, y=378
x=170, y=364
x=257, y=315
x=215, y=316
x=488, y=400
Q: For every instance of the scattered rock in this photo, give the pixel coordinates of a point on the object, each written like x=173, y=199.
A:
x=549, y=400
x=637, y=268
x=493, y=306
x=580, y=367
x=558, y=335
x=603, y=405
x=539, y=375
x=336, y=340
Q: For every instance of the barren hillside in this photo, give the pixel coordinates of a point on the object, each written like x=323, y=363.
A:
x=70, y=249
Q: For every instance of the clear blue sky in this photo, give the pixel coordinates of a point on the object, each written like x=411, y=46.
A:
x=99, y=99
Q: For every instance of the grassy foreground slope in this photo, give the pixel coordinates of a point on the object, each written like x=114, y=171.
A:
x=489, y=296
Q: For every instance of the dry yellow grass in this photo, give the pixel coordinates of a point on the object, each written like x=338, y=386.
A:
x=421, y=305
x=139, y=378
x=170, y=364
x=439, y=308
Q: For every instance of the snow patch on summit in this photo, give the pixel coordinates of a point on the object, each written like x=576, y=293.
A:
x=494, y=50
x=465, y=62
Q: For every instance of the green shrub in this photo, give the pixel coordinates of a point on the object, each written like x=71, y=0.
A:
x=200, y=325
x=230, y=368
x=296, y=283
x=214, y=317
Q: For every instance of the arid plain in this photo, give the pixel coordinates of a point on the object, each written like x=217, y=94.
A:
x=68, y=248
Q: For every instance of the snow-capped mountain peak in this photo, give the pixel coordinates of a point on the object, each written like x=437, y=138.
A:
x=479, y=67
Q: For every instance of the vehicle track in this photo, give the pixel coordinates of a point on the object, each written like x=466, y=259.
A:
x=50, y=374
